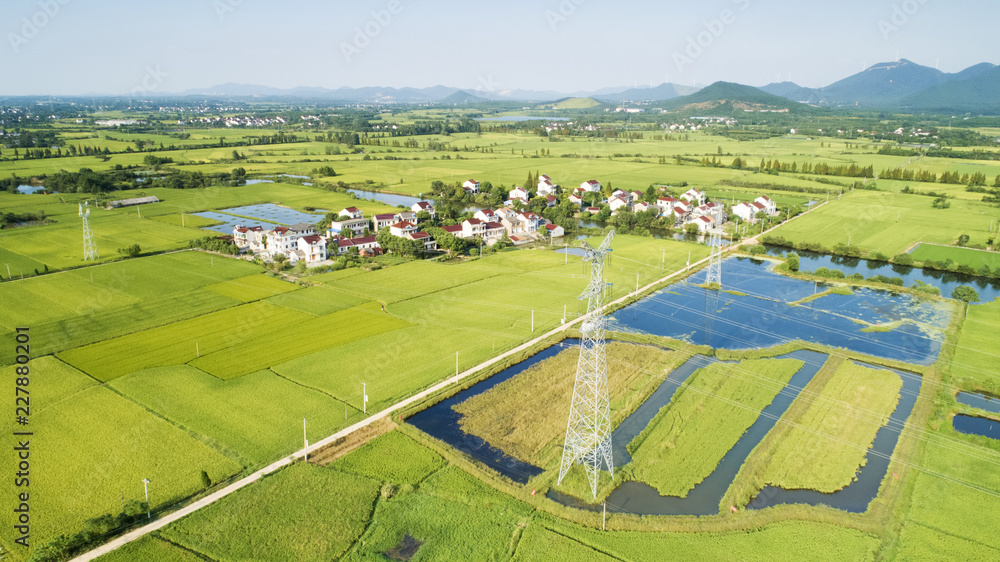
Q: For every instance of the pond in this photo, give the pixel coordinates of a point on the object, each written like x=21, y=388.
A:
x=981, y=401
x=642, y=499
x=760, y=315
x=267, y=215
x=391, y=199
x=974, y=425
x=441, y=421
x=947, y=282
x=30, y=188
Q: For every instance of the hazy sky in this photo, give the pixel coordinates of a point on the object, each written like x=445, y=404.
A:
x=119, y=46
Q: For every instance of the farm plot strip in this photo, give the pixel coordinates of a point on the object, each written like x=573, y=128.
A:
x=704, y=419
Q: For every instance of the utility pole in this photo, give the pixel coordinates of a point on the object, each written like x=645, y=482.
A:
x=456, y=366
x=663, y=259
x=305, y=449
x=637, y=282
x=364, y=391
x=532, y=321
x=604, y=518
x=145, y=485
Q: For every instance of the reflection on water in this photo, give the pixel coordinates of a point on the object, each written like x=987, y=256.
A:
x=762, y=317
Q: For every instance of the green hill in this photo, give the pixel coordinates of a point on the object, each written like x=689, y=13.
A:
x=732, y=97
x=576, y=103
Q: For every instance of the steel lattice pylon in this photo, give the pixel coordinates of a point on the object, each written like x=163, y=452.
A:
x=89, y=247
x=588, y=431
x=714, y=274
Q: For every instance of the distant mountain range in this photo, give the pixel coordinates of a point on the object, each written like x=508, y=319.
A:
x=898, y=85
x=902, y=84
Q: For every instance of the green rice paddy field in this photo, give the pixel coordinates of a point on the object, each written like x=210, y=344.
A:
x=168, y=365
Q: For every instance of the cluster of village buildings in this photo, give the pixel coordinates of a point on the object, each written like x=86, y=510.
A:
x=352, y=229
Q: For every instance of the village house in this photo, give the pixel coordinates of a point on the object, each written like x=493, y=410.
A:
x=593, y=186
x=279, y=240
x=745, y=211
x=769, y=206
x=704, y=223
x=551, y=201
x=471, y=186
x=430, y=245
x=383, y=220
x=493, y=231
x=311, y=248
x=575, y=199
x=666, y=204
x=350, y=221
x=246, y=236
x=641, y=206
x=486, y=215
x=518, y=194
x=554, y=230
x=617, y=203
x=546, y=187
x=473, y=228
x=423, y=206
x=623, y=195
x=694, y=197
x=402, y=228
x=351, y=213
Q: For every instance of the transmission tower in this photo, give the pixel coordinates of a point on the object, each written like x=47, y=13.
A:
x=588, y=431
x=714, y=274
x=89, y=247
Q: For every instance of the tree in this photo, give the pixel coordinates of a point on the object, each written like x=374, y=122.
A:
x=963, y=239
x=691, y=228
x=206, y=481
x=941, y=203
x=793, y=261
x=130, y=251
x=965, y=293
x=902, y=259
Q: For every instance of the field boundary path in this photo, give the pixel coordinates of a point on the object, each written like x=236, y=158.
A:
x=387, y=412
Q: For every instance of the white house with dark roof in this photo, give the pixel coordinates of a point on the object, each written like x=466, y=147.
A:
x=383, y=220
x=311, y=247
x=244, y=236
x=348, y=226
x=402, y=228
x=518, y=194
x=593, y=186
x=617, y=203
x=473, y=228
x=486, y=215
x=704, y=223
x=424, y=238
x=769, y=206
x=423, y=206
x=471, y=186
x=575, y=199
x=351, y=213
x=554, y=230
x=280, y=240
x=493, y=231
x=745, y=211
x=694, y=197
x=546, y=187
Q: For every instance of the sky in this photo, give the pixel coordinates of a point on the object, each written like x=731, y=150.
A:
x=81, y=47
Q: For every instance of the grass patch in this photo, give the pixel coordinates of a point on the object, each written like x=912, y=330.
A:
x=318, y=300
x=255, y=418
x=98, y=447
x=975, y=365
x=370, y=460
x=260, y=349
x=180, y=342
x=526, y=415
x=962, y=256
x=303, y=512
x=252, y=288
x=151, y=547
x=828, y=443
x=704, y=419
